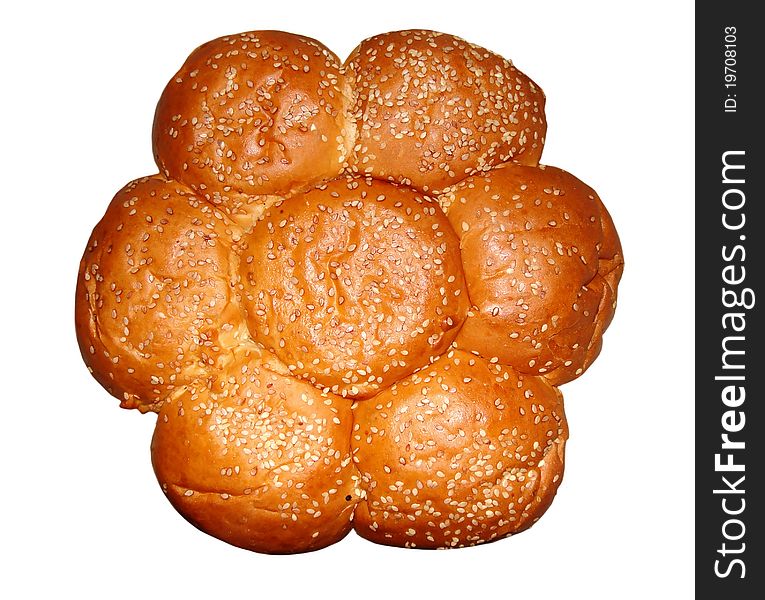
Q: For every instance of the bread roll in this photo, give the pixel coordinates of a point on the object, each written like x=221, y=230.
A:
x=460, y=453
x=261, y=112
x=542, y=263
x=155, y=303
x=431, y=108
x=258, y=459
x=354, y=284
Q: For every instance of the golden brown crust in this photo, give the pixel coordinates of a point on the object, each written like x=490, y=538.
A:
x=258, y=459
x=431, y=108
x=260, y=112
x=460, y=453
x=542, y=261
x=155, y=292
x=354, y=284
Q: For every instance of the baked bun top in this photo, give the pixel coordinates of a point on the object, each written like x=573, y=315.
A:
x=260, y=112
x=538, y=248
x=460, y=452
x=354, y=284
x=258, y=458
x=431, y=108
x=155, y=303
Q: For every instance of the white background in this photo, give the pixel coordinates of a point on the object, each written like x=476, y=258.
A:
x=83, y=516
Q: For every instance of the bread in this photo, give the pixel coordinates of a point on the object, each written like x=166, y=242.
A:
x=461, y=452
x=354, y=284
x=431, y=108
x=259, y=459
x=350, y=293
x=254, y=113
x=155, y=301
x=542, y=262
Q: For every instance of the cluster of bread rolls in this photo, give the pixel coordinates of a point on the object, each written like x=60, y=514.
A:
x=350, y=293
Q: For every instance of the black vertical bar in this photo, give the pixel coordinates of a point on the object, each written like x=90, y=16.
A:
x=730, y=440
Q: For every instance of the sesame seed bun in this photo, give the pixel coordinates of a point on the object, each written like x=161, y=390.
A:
x=260, y=112
x=258, y=459
x=460, y=453
x=154, y=304
x=350, y=293
x=431, y=108
x=354, y=284
x=542, y=262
